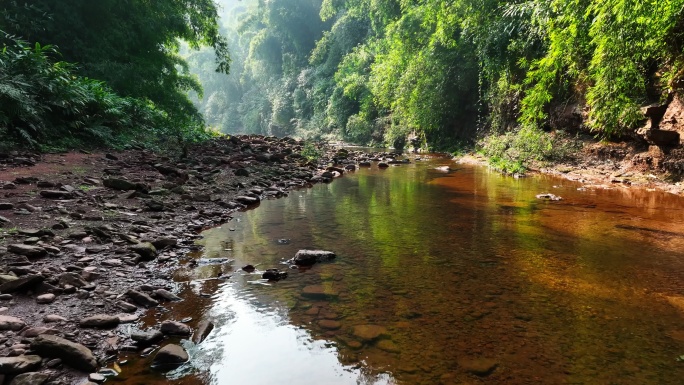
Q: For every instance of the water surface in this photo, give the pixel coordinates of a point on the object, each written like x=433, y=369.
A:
x=443, y=278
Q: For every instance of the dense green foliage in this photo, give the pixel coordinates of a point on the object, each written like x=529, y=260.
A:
x=447, y=72
x=53, y=50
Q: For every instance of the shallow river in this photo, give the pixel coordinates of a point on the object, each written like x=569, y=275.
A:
x=441, y=278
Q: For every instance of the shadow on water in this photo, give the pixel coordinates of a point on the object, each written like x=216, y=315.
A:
x=441, y=278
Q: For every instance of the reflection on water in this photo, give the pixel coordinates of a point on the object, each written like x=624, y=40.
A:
x=455, y=278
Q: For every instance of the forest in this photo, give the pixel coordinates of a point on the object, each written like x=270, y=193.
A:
x=513, y=78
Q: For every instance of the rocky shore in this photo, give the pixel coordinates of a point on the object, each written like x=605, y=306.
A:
x=88, y=243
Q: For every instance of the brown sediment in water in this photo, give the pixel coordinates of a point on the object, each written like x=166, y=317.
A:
x=454, y=278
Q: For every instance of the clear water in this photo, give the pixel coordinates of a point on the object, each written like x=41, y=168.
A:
x=441, y=278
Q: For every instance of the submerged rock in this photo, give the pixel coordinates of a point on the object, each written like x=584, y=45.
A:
x=170, y=356
x=310, y=257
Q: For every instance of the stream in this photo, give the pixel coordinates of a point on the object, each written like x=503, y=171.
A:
x=458, y=277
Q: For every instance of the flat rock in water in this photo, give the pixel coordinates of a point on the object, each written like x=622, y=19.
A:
x=166, y=295
x=170, y=355
x=310, y=257
x=20, y=364
x=11, y=323
x=30, y=378
x=478, y=366
x=148, y=337
x=318, y=292
x=175, y=328
x=27, y=250
x=368, y=333
x=245, y=200
x=71, y=353
x=100, y=321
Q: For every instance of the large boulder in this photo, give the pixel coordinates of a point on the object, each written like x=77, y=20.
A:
x=71, y=353
x=20, y=364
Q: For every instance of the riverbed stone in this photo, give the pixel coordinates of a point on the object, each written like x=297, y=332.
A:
x=71, y=353
x=19, y=364
x=21, y=284
x=141, y=298
x=319, y=292
x=310, y=257
x=166, y=295
x=11, y=323
x=175, y=328
x=146, y=250
x=368, y=333
x=30, y=378
x=170, y=355
x=147, y=337
x=329, y=324
x=27, y=250
x=102, y=321
x=478, y=366
x=45, y=298
x=118, y=184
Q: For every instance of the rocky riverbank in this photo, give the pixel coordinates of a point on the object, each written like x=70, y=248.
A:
x=89, y=242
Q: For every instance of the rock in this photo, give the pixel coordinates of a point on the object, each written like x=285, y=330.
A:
x=55, y=194
x=318, y=292
x=164, y=242
x=6, y=297
x=663, y=137
x=478, y=366
x=388, y=346
x=245, y=200
x=4, y=278
x=241, y=172
x=6, y=206
x=11, y=323
x=205, y=327
x=175, y=328
x=4, y=220
x=127, y=318
x=145, y=249
x=125, y=306
x=368, y=333
x=248, y=268
x=170, y=355
x=30, y=378
x=383, y=165
x=274, y=275
x=97, y=377
x=45, y=298
x=119, y=184
x=21, y=284
x=53, y=318
x=166, y=295
x=141, y=299
x=102, y=321
x=148, y=337
x=71, y=279
x=548, y=196
x=35, y=332
x=27, y=250
x=20, y=364
x=71, y=353
x=329, y=324
x=310, y=257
